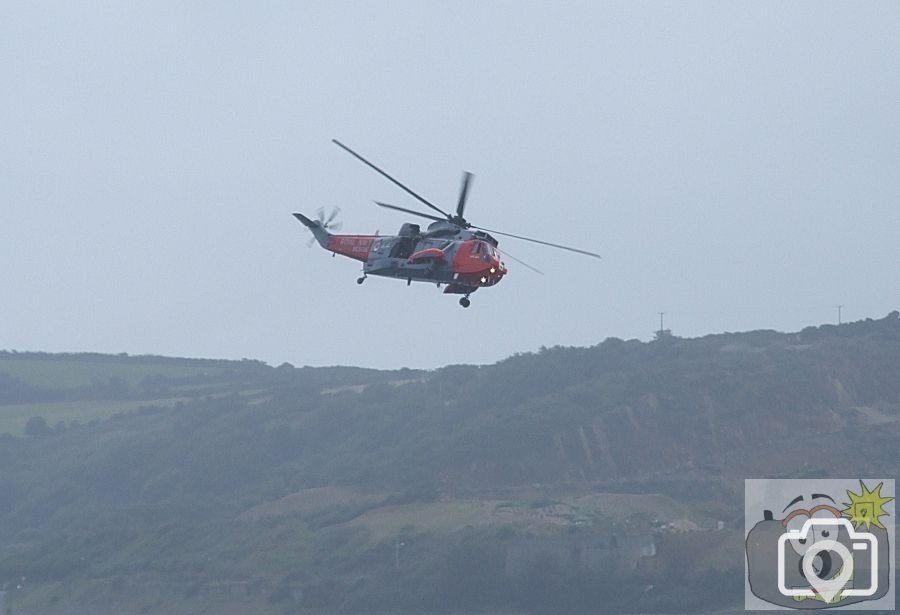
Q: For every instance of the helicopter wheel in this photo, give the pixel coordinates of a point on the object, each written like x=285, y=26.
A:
x=464, y=301
x=361, y=280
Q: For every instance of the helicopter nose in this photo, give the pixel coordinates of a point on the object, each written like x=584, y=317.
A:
x=493, y=274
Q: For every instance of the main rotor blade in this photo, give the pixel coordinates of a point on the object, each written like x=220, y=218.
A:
x=410, y=211
x=463, y=192
x=521, y=262
x=391, y=179
x=546, y=243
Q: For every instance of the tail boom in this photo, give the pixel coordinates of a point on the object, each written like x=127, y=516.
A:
x=353, y=246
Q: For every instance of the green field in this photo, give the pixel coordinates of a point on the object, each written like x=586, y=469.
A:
x=64, y=374
x=117, y=384
x=13, y=418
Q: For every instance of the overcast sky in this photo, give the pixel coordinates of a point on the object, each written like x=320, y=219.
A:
x=736, y=164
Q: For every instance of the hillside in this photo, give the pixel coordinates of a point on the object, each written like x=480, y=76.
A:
x=62, y=388
x=146, y=484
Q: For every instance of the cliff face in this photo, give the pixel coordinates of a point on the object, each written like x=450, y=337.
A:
x=824, y=400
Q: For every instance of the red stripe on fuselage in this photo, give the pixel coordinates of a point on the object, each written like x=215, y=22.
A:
x=354, y=246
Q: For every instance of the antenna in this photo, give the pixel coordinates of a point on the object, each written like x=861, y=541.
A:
x=839, y=313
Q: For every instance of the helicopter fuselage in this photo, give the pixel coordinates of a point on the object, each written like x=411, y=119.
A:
x=460, y=259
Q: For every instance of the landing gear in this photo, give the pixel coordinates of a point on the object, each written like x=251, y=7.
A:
x=460, y=289
x=361, y=280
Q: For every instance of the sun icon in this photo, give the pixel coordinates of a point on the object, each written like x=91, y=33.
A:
x=866, y=507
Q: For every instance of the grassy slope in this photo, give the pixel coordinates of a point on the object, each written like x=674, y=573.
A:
x=14, y=417
x=78, y=372
x=91, y=387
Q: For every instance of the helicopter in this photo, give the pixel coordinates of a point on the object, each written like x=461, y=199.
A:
x=451, y=252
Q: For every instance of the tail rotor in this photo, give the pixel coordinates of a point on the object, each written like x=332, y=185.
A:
x=327, y=222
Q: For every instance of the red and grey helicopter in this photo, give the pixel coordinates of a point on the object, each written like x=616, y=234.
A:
x=451, y=252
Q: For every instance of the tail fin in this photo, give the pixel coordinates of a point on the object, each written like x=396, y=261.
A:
x=318, y=230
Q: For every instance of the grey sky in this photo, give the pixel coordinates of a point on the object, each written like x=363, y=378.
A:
x=735, y=163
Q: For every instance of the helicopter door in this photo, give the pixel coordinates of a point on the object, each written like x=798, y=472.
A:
x=404, y=246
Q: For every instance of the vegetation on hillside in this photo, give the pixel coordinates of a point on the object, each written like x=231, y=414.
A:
x=233, y=482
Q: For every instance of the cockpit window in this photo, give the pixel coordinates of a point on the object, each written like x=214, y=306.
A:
x=477, y=248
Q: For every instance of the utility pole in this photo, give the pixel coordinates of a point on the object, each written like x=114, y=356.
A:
x=661, y=328
x=839, y=313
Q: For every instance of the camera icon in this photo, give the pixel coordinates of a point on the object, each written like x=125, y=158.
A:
x=817, y=543
x=820, y=551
